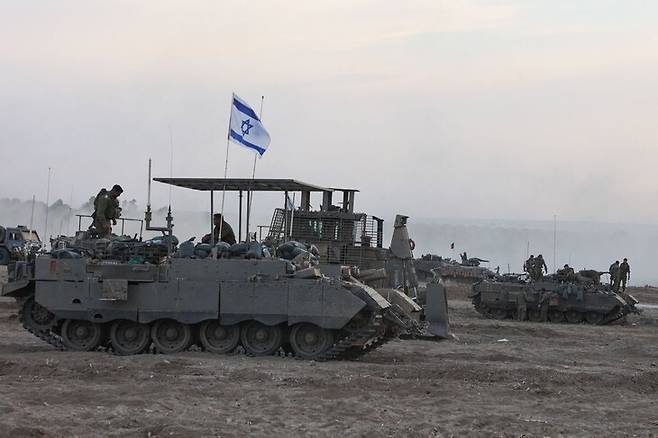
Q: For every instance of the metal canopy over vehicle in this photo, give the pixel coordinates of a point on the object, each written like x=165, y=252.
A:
x=251, y=185
x=246, y=184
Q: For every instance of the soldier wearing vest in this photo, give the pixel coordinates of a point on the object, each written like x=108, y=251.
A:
x=106, y=211
x=624, y=274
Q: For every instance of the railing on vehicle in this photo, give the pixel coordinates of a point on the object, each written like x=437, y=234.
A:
x=121, y=219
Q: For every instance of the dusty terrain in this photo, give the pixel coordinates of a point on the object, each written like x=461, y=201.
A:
x=495, y=379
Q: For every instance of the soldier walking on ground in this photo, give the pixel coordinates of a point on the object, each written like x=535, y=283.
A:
x=613, y=270
x=624, y=274
x=106, y=209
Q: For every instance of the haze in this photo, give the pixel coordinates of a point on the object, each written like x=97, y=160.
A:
x=436, y=109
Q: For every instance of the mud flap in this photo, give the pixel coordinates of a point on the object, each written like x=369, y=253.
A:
x=436, y=309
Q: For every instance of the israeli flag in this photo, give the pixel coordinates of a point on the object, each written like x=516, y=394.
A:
x=245, y=127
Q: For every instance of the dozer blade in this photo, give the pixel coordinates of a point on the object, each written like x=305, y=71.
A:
x=436, y=310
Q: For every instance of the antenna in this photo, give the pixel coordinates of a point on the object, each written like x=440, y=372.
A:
x=34, y=199
x=171, y=163
x=554, y=243
x=45, y=231
x=148, y=184
x=70, y=215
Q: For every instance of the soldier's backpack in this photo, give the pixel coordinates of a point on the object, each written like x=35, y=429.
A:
x=103, y=192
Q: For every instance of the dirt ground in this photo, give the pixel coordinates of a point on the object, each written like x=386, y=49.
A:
x=494, y=379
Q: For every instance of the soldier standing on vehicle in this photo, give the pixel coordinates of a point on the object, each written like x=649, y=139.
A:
x=106, y=209
x=613, y=270
x=566, y=273
x=540, y=267
x=624, y=274
x=529, y=264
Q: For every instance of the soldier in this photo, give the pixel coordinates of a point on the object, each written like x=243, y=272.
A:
x=541, y=265
x=613, y=270
x=538, y=267
x=624, y=274
x=227, y=232
x=529, y=264
x=566, y=273
x=106, y=209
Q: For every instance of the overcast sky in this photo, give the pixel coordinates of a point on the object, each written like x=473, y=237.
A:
x=508, y=109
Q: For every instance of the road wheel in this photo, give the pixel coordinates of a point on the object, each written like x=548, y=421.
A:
x=129, y=337
x=593, y=318
x=555, y=315
x=308, y=341
x=218, y=338
x=36, y=317
x=574, y=317
x=260, y=339
x=81, y=335
x=171, y=336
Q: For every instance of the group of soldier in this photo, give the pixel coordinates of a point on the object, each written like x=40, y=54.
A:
x=107, y=211
x=535, y=267
x=620, y=273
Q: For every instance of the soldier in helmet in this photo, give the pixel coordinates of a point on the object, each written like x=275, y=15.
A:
x=540, y=267
x=624, y=274
x=613, y=270
x=566, y=273
x=228, y=235
x=106, y=211
x=529, y=264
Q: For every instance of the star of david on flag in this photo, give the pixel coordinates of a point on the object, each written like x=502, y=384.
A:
x=245, y=127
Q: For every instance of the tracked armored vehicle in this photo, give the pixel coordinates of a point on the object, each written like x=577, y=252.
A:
x=339, y=236
x=138, y=299
x=17, y=243
x=554, y=298
x=446, y=268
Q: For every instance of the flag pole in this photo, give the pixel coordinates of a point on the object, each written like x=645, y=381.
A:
x=228, y=139
x=250, y=195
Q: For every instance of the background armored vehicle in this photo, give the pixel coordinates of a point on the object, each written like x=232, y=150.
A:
x=555, y=298
x=16, y=243
x=446, y=268
x=129, y=302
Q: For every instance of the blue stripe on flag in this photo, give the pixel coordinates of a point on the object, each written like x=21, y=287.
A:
x=244, y=109
x=237, y=137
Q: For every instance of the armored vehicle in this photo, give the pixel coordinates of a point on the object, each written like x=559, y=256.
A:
x=340, y=236
x=16, y=243
x=555, y=298
x=137, y=298
x=469, y=271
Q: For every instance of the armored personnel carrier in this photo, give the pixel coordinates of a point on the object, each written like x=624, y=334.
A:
x=554, y=298
x=429, y=264
x=338, y=236
x=137, y=298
